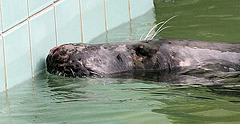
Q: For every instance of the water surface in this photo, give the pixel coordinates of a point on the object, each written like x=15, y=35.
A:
x=55, y=99
x=207, y=20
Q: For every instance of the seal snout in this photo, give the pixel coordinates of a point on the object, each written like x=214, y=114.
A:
x=53, y=50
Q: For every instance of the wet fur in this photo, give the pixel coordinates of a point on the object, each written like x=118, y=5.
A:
x=109, y=59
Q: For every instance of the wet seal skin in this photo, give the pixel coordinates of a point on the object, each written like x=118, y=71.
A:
x=189, y=57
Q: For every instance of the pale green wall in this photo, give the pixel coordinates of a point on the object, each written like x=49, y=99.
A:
x=43, y=34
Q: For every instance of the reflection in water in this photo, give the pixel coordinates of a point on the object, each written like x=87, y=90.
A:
x=209, y=108
x=8, y=106
x=137, y=97
x=106, y=38
x=200, y=19
x=131, y=30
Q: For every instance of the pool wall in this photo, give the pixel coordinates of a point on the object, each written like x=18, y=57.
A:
x=30, y=28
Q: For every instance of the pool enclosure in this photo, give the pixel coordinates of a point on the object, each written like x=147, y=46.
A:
x=30, y=28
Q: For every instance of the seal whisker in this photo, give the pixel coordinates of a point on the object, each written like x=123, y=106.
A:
x=73, y=74
x=148, y=35
x=158, y=31
x=160, y=28
x=142, y=36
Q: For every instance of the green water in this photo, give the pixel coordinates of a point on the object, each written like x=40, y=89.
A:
x=144, y=99
x=207, y=20
x=55, y=99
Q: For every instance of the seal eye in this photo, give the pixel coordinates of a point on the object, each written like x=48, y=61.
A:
x=142, y=51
